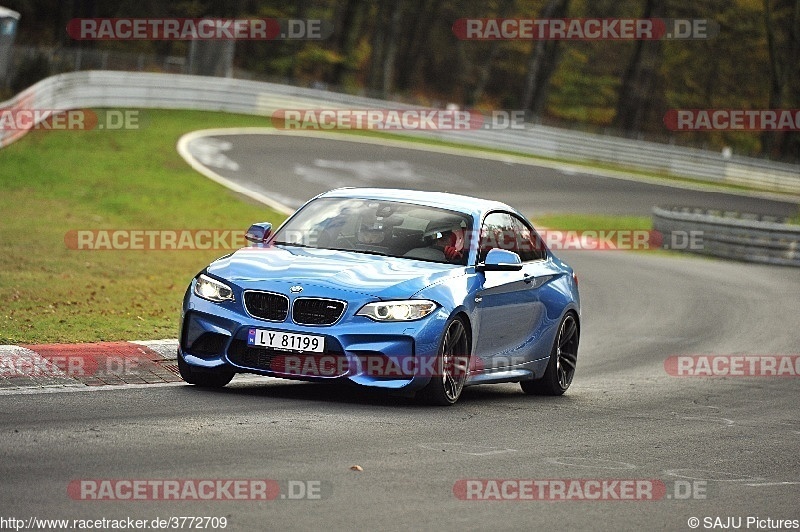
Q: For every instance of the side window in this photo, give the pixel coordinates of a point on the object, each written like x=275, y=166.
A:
x=529, y=246
x=497, y=231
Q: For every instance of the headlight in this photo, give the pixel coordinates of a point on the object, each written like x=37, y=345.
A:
x=413, y=309
x=213, y=290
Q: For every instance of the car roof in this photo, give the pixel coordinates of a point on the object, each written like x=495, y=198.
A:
x=475, y=207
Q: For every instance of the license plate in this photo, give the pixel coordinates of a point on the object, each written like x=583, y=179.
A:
x=286, y=341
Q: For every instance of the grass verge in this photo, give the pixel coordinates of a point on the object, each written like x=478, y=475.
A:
x=589, y=222
x=56, y=181
x=53, y=182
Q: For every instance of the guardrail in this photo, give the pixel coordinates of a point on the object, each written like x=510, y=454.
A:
x=177, y=91
x=733, y=235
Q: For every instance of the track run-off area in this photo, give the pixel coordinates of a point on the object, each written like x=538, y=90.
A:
x=688, y=446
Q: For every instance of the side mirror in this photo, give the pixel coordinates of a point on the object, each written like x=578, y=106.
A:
x=500, y=260
x=258, y=233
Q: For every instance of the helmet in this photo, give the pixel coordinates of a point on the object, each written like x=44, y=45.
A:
x=377, y=229
x=448, y=232
x=371, y=233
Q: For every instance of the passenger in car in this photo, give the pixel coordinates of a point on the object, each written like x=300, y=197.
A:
x=446, y=243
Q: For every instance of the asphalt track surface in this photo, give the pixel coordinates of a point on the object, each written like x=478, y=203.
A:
x=625, y=417
x=293, y=169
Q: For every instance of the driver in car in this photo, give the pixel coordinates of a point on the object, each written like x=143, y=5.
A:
x=371, y=233
x=447, y=244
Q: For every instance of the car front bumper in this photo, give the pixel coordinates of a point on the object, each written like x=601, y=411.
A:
x=392, y=355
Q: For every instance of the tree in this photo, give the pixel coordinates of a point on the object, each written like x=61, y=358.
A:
x=543, y=61
x=782, y=24
x=484, y=67
x=639, y=82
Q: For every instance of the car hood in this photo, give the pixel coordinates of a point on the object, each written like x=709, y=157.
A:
x=377, y=276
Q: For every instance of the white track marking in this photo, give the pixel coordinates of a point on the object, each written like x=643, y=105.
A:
x=593, y=463
x=475, y=152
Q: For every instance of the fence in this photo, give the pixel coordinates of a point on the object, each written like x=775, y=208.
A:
x=176, y=91
x=733, y=235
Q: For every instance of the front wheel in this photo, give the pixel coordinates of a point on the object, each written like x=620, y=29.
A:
x=451, y=366
x=204, y=379
x=563, y=359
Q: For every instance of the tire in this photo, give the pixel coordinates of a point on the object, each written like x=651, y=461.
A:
x=452, y=361
x=204, y=379
x=563, y=359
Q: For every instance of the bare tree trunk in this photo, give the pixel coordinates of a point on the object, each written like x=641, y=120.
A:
x=485, y=68
x=377, y=53
x=344, y=41
x=82, y=9
x=425, y=21
x=391, y=50
x=768, y=137
x=300, y=13
x=542, y=61
x=781, y=72
x=790, y=146
x=638, y=81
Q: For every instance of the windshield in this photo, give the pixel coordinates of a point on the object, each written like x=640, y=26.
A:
x=389, y=228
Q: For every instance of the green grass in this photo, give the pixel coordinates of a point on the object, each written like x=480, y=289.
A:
x=588, y=222
x=54, y=182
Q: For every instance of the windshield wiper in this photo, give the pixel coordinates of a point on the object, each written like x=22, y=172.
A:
x=295, y=244
x=364, y=251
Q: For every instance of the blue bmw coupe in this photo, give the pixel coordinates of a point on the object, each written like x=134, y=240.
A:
x=420, y=293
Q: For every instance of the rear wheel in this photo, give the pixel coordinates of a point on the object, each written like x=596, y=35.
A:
x=563, y=359
x=204, y=379
x=451, y=366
